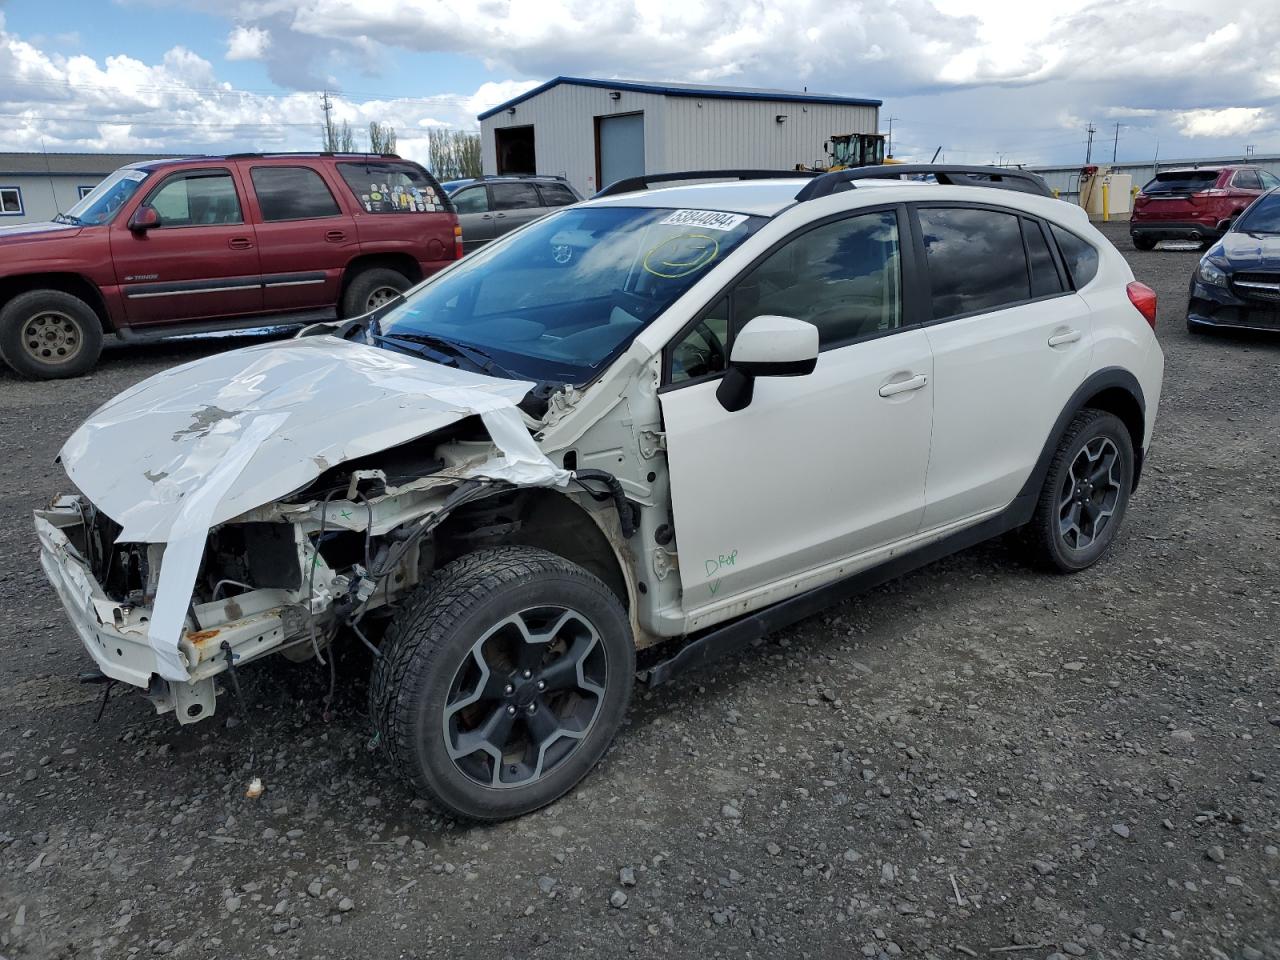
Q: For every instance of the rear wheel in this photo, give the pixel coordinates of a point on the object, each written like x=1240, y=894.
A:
x=371, y=289
x=49, y=334
x=502, y=682
x=1143, y=243
x=1085, y=493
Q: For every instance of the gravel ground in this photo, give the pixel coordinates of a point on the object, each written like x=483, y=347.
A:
x=975, y=760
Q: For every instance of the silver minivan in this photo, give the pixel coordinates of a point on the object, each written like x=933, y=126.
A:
x=488, y=206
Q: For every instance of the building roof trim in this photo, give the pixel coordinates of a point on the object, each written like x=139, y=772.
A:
x=686, y=90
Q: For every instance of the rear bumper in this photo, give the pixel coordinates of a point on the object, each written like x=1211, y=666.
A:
x=1176, y=230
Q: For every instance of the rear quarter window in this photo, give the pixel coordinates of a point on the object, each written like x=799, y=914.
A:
x=394, y=186
x=1080, y=256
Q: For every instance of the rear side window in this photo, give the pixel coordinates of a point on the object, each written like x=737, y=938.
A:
x=292, y=193
x=556, y=195
x=1045, y=281
x=1268, y=181
x=976, y=260
x=514, y=196
x=1247, y=180
x=1081, y=257
x=199, y=198
x=394, y=186
x=1180, y=182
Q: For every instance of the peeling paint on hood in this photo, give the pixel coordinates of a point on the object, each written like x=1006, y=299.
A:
x=200, y=444
x=140, y=455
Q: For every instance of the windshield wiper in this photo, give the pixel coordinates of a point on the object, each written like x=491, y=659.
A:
x=473, y=355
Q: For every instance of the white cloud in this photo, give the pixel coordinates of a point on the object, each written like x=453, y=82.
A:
x=248, y=43
x=1228, y=122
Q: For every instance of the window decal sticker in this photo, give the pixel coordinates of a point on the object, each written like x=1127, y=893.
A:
x=709, y=219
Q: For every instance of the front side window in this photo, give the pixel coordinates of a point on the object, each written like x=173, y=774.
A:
x=1081, y=257
x=292, y=193
x=843, y=277
x=975, y=258
x=10, y=202
x=199, y=198
x=104, y=201
x=514, y=196
x=471, y=200
x=557, y=300
x=394, y=186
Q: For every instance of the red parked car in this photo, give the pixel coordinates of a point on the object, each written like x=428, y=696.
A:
x=218, y=243
x=1196, y=203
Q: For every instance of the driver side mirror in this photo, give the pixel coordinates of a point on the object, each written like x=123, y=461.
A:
x=143, y=219
x=767, y=346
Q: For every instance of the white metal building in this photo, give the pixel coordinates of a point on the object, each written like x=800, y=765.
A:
x=35, y=186
x=594, y=132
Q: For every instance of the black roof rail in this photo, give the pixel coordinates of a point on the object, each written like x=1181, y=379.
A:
x=1000, y=178
x=311, y=153
x=643, y=182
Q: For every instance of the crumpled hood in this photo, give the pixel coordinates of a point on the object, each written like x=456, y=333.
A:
x=263, y=421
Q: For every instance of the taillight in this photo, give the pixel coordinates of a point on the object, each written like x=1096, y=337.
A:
x=1144, y=298
x=457, y=241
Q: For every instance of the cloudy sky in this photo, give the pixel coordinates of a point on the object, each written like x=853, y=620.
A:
x=987, y=80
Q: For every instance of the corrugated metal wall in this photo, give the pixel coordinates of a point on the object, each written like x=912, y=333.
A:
x=680, y=133
x=563, y=120
x=1065, y=179
x=710, y=134
x=43, y=196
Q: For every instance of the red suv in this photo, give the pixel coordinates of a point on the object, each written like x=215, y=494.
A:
x=1195, y=204
x=218, y=243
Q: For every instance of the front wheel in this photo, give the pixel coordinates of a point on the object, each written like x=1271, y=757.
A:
x=371, y=289
x=49, y=335
x=1085, y=493
x=502, y=682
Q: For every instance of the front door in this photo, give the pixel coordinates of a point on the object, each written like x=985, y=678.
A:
x=200, y=263
x=816, y=469
x=472, y=205
x=1011, y=343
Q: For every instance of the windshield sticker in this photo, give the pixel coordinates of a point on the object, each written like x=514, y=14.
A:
x=681, y=255
x=711, y=219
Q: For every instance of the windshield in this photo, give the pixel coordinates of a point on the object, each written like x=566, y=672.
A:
x=1262, y=217
x=559, y=299
x=1181, y=182
x=100, y=204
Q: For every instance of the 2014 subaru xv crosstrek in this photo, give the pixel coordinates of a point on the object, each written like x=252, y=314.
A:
x=733, y=403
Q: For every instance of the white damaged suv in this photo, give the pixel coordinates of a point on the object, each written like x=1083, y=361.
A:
x=659, y=423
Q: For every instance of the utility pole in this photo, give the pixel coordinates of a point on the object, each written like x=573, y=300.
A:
x=1115, y=144
x=889, y=152
x=327, y=106
x=1088, y=150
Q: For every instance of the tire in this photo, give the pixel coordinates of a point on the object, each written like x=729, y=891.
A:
x=49, y=335
x=1097, y=510
x=448, y=665
x=370, y=289
x=1143, y=243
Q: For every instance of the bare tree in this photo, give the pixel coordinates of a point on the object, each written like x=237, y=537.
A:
x=453, y=154
x=382, y=138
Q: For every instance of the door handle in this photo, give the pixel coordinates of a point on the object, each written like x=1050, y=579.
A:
x=487, y=216
x=1071, y=336
x=335, y=236
x=501, y=216
x=240, y=243
x=904, y=386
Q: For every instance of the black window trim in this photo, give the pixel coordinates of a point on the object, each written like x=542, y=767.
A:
x=190, y=173
x=338, y=212
x=926, y=280
x=912, y=305
x=1055, y=257
x=1062, y=257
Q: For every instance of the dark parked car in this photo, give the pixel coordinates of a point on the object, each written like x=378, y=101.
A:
x=1237, y=282
x=218, y=243
x=1195, y=204
x=488, y=207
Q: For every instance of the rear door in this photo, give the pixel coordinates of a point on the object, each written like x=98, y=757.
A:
x=472, y=205
x=401, y=208
x=515, y=203
x=1011, y=343
x=556, y=195
x=201, y=262
x=305, y=238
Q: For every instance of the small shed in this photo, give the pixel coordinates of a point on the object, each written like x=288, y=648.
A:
x=594, y=132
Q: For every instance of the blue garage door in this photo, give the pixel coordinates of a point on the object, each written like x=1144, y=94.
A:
x=621, y=147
